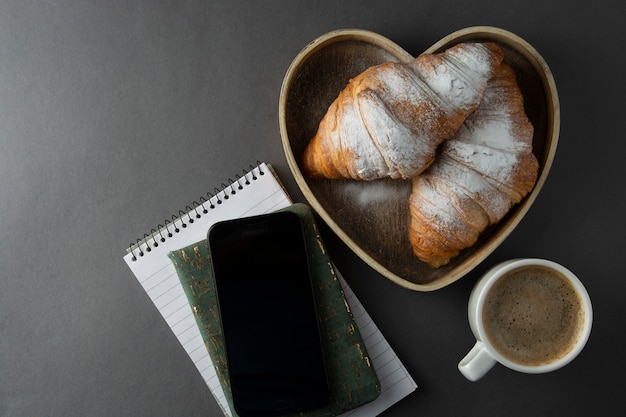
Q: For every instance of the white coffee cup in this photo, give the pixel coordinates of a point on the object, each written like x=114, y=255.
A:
x=521, y=323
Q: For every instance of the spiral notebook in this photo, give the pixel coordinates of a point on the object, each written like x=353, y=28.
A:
x=257, y=191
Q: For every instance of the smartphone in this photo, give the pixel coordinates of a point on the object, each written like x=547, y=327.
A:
x=268, y=315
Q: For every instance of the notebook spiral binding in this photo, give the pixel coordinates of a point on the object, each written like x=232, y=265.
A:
x=184, y=218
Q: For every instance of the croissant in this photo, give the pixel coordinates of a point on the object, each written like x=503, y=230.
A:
x=485, y=169
x=390, y=119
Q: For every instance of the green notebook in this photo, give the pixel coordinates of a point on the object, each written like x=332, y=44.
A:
x=352, y=379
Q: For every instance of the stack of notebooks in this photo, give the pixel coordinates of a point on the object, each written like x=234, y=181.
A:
x=172, y=265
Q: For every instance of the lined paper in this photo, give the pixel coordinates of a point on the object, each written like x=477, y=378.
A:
x=153, y=269
x=157, y=275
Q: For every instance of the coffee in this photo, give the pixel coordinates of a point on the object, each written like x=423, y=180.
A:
x=533, y=315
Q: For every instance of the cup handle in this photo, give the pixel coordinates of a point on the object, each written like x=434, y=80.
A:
x=476, y=363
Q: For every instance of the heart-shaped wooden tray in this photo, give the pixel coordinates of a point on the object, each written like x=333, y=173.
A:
x=372, y=218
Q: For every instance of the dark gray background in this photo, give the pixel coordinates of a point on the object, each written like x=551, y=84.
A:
x=116, y=114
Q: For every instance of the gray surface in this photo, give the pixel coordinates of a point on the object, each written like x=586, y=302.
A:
x=114, y=114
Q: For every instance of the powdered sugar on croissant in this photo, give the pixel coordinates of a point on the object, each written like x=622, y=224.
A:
x=485, y=169
x=390, y=119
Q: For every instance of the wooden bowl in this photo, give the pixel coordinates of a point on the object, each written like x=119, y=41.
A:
x=372, y=218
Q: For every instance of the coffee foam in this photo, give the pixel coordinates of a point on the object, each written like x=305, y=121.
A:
x=533, y=316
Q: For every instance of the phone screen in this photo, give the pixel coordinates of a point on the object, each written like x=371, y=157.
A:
x=268, y=315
